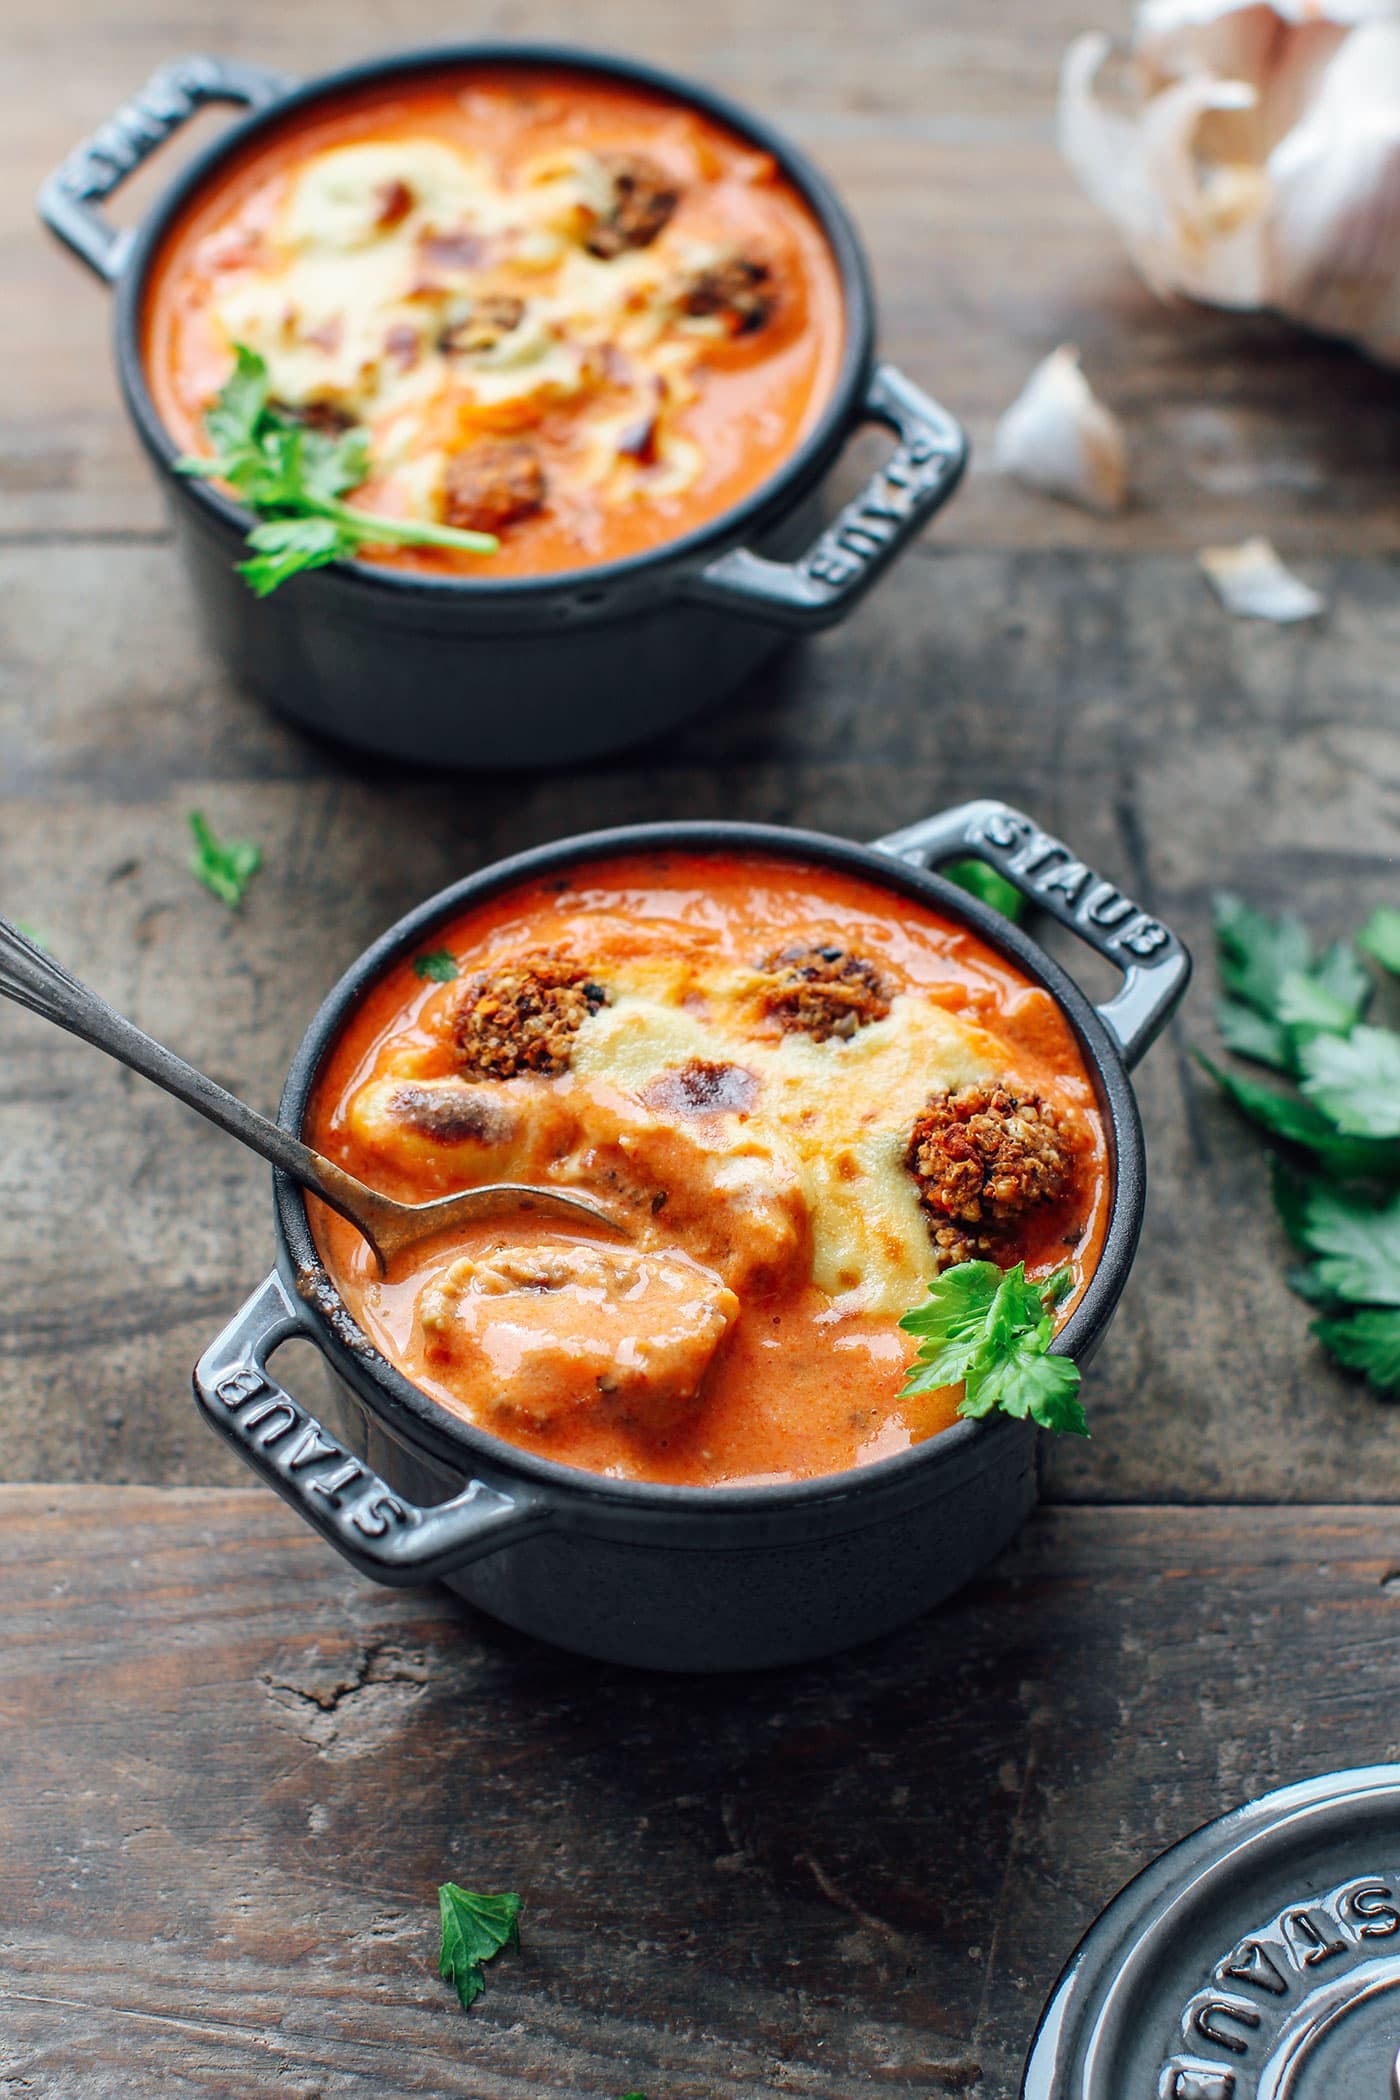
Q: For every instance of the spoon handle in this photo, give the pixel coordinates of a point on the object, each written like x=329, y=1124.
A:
x=32, y=978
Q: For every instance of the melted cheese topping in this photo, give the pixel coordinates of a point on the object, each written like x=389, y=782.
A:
x=436, y=285
x=838, y=1114
x=771, y=1163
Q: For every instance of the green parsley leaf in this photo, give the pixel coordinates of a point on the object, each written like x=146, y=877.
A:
x=437, y=966
x=991, y=1330
x=285, y=546
x=1289, y=1117
x=951, y=1324
x=35, y=940
x=294, y=478
x=982, y=880
x=1380, y=936
x=1290, y=1193
x=1358, y=1245
x=225, y=866
x=1308, y=1005
x=474, y=1930
x=1355, y=1080
x=1367, y=1342
x=1250, y=1034
x=1256, y=953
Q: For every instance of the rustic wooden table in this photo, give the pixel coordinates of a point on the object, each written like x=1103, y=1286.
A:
x=234, y=1773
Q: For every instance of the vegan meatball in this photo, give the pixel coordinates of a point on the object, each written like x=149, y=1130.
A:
x=738, y=291
x=983, y=1157
x=490, y=486
x=643, y=199
x=522, y=1017
x=822, y=991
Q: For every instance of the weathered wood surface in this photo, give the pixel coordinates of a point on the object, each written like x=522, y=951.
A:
x=938, y=125
x=1176, y=748
x=233, y=1775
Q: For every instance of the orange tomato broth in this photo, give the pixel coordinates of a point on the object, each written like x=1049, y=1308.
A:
x=759, y=394
x=794, y=1390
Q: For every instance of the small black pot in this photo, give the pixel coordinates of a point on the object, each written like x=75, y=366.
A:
x=526, y=671
x=687, y=1578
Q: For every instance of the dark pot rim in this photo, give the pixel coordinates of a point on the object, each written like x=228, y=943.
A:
x=469, y=1449
x=755, y=514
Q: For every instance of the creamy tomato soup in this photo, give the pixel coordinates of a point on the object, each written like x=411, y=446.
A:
x=565, y=310
x=802, y=1094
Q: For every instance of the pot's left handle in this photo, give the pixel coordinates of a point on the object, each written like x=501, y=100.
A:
x=895, y=505
x=69, y=200
x=384, y=1536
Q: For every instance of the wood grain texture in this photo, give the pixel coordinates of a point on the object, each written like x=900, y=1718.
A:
x=937, y=123
x=233, y=1775
x=1176, y=748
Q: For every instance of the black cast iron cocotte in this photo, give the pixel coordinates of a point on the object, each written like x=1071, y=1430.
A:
x=526, y=671
x=687, y=1578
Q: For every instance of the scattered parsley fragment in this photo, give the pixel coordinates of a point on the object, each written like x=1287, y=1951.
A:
x=990, y=1331
x=294, y=477
x=474, y=1930
x=438, y=966
x=225, y=866
x=1306, y=1019
x=981, y=880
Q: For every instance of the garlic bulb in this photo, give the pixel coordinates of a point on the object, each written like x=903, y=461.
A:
x=1058, y=437
x=1257, y=162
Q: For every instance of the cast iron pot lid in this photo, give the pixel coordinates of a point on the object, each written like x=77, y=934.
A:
x=1257, y=1960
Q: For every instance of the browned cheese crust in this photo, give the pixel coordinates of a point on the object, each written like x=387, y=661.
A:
x=523, y=1016
x=491, y=318
x=492, y=485
x=982, y=1157
x=822, y=991
x=644, y=198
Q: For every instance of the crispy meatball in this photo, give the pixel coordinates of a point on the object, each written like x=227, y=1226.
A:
x=822, y=991
x=738, y=290
x=643, y=199
x=522, y=1017
x=983, y=1157
x=493, y=485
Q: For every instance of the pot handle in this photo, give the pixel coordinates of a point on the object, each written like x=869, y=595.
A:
x=916, y=480
x=378, y=1532
x=1156, y=968
x=69, y=199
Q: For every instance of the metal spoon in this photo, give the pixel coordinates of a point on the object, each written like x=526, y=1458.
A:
x=32, y=978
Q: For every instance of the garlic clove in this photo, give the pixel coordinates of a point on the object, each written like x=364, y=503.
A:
x=1058, y=437
x=1253, y=582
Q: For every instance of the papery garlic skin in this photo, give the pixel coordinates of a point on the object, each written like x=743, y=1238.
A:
x=1058, y=437
x=1253, y=582
x=1259, y=161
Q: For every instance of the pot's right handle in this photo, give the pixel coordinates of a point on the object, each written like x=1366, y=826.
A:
x=897, y=502
x=69, y=199
x=381, y=1534
x=1156, y=968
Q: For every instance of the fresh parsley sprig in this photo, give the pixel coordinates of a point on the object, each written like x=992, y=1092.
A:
x=1306, y=1020
x=989, y=1330
x=474, y=1930
x=225, y=866
x=294, y=478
